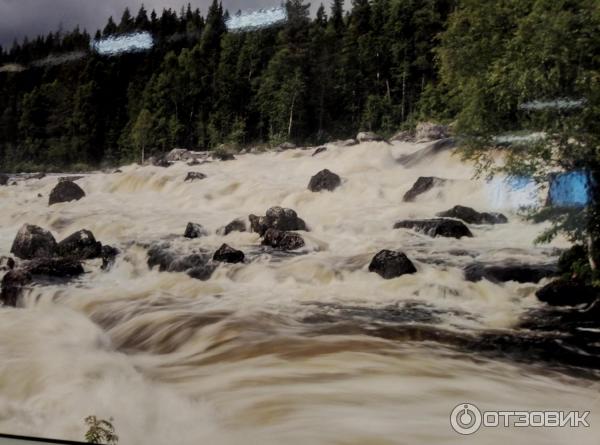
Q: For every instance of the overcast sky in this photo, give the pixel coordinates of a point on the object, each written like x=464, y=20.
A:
x=19, y=18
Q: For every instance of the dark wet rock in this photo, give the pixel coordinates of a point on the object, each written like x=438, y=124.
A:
x=368, y=136
x=4, y=179
x=319, y=150
x=471, y=216
x=64, y=192
x=55, y=267
x=391, y=264
x=194, y=230
x=36, y=176
x=194, y=162
x=6, y=263
x=429, y=131
x=237, y=225
x=227, y=254
x=169, y=260
x=193, y=176
x=324, y=180
x=566, y=292
x=422, y=185
x=509, y=271
x=450, y=228
x=109, y=254
x=39, y=195
x=346, y=143
x=12, y=286
x=276, y=218
x=33, y=242
x=282, y=240
x=81, y=245
x=118, y=171
x=203, y=272
x=70, y=178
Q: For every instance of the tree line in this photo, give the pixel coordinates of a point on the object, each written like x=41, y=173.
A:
x=309, y=80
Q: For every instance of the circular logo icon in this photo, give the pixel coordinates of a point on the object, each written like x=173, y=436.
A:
x=465, y=419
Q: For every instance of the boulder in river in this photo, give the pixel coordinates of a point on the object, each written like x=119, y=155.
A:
x=4, y=179
x=324, y=180
x=12, y=286
x=81, y=245
x=567, y=292
x=178, y=154
x=237, y=225
x=65, y=191
x=368, y=136
x=471, y=216
x=422, y=185
x=221, y=155
x=403, y=136
x=509, y=271
x=282, y=240
x=109, y=253
x=196, y=265
x=194, y=230
x=54, y=267
x=227, y=254
x=391, y=264
x=33, y=242
x=160, y=161
x=277, y=218
x=429, y=131
x=193, y=176
x=450, y=228
x=6, y=263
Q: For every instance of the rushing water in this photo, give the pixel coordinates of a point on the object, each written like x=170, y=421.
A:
x=287, y=349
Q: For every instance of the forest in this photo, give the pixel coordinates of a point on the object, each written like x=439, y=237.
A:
x=380, y=66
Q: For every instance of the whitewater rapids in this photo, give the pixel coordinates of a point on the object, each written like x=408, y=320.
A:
x=278, y=350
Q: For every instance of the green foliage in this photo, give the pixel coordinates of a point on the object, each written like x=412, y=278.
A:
x=100, y=431
x=308, y=80
x=499, y=55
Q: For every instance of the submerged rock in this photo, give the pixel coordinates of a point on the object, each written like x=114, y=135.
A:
x=65, y=191
x=319, y=150
x=428, y=131
x=422, y=185
x=227, y=254
x=70, y=178
x=6, y=263
x=196, y=265
x=509, y=271
x=368, y=136
x=33, y=242
x=566, y=292
x=436, y=227
x=282, y=240
x=194, y=230
x=324, y=180
x=276, y=218
x=109, y=254
x=471, y=216
x=4, y=179
x=223, y=156
x=391, y=264
x=80, y=245
x=54, y=267
x=13, y=284
x=237, y=225
x=193, y=176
